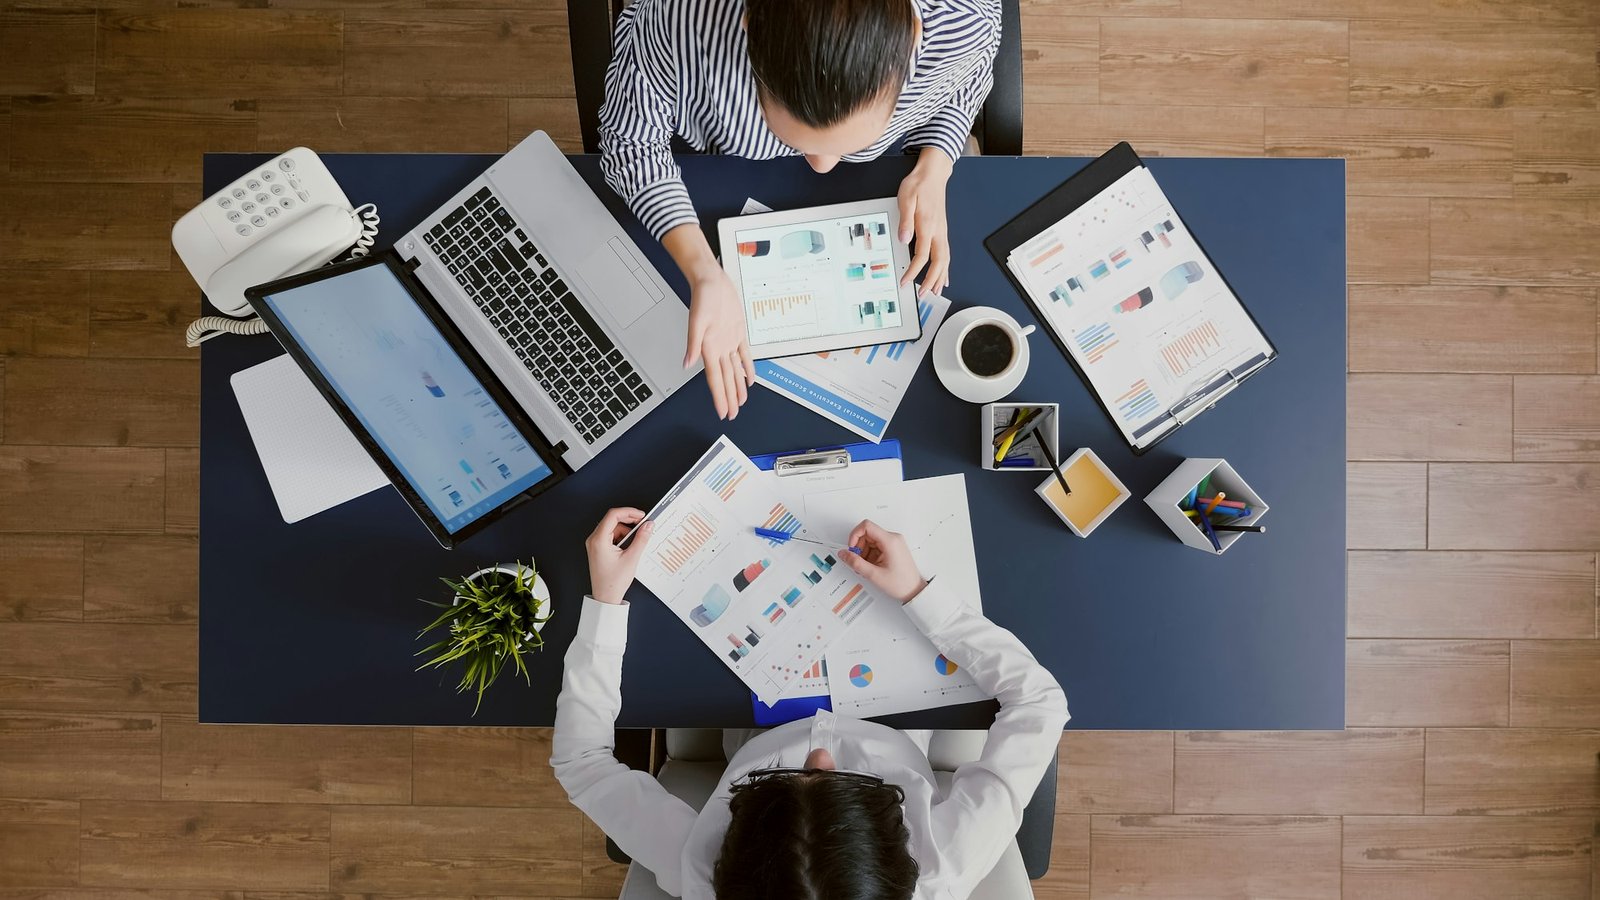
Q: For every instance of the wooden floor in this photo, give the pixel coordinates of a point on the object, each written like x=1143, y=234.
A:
x=1470, y=767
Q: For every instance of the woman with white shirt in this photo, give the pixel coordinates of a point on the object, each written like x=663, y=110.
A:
x=827, y=807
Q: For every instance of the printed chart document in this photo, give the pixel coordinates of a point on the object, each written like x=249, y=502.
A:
x=1139, y=306
x=768, y=610
x=884, y=664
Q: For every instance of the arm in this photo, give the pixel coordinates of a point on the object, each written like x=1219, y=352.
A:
x=629, y=806
x=636, y=128
x=981, y=814
x=950, y=125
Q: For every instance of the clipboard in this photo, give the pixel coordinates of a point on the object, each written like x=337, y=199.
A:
x=815, y=470
x=1071, y=195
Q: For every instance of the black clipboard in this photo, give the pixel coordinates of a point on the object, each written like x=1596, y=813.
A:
x=1056, y=205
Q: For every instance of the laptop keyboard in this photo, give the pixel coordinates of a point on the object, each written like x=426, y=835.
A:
x=544, y=324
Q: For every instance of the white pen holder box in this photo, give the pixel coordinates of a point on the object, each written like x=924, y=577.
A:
x=1167, y=501
x=1096, y=492
x=996, y=416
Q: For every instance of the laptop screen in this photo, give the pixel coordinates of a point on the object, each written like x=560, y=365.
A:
x=412, y=392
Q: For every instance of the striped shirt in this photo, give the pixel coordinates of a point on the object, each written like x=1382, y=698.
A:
x=682, y=67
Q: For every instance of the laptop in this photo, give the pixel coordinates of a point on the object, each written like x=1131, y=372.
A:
x=502, y=343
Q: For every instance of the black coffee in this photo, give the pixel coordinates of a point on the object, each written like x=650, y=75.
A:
x=987, y=350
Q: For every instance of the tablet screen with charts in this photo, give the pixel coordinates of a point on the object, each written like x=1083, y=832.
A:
x=821, y=279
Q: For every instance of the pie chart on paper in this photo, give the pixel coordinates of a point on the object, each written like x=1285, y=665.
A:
x=944, y=666
x=860, y=675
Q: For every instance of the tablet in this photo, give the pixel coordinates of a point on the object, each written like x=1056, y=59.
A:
x=819, y=279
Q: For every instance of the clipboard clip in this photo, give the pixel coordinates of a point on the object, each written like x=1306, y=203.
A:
x=1214, y=389
x=811, y=461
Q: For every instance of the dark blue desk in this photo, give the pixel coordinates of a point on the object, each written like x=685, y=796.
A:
x=316, y=622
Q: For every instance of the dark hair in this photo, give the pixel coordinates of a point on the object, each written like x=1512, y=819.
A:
x=825, y=59
x=815, y=837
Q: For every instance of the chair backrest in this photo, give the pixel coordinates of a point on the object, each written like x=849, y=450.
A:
x=590, y=23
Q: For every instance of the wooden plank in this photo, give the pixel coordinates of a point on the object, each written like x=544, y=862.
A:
x=1555, y=155
x=1513, y=771
x=172, y=844
x=1466, y=858
x=183, y=491
x=367, y=125
x=478, y=766
x=41, y=578
x=142, y=314
x=47, y=226
x=1429, y=417
x=105, y=402
x=442, y=849
x=1443, y=328
x=1387, y=239
x=80, y=489
x=1555, y=684
x=73, y=666
x=122, y=139
x=1471, y=595
x=1068, y=877
x=1521, y=241
x=141, y=579
x=47, y=51
x=1359, y=770
x=1418, y=683
x=463, y=53
x=69, y=756
x=1557, y=418
x=1537, y=506
x=1224, y=62
x=284, y=764
x=44, y=313
x=1043, y=8
x=1569, y=11
x=1448, y=62
x=1116, y=771
x=1087, y=129
x=601, y=876
x=1388, y=153
x=1386, y=506
x=219, y=53
x=1286, y=858
x=1060, y=53
x=556, y=116
x=40, y=838
x=89, y=893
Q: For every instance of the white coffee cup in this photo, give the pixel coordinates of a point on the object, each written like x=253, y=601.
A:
x=977, y=361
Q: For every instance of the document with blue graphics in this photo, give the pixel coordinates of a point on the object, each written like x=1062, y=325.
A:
x=860, y=388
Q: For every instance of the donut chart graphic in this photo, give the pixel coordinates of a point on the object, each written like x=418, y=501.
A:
x=860, y=675
x=944, y=666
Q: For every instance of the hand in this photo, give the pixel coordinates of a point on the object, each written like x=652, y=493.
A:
x=611, y=568
x=717, y=335
x=922, y=215
x=884, y=562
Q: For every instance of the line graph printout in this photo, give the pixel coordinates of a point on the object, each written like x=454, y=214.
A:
x=1138, y=303
x=906, y=671
x=767, y=610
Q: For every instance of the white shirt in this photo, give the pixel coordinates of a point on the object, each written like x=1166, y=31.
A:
x=956, y=836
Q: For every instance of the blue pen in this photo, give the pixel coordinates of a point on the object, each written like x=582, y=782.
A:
x=1014, y=462
x=1205, y=525
x=784, y=537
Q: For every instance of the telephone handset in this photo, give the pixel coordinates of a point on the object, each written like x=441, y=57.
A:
x=285, y=217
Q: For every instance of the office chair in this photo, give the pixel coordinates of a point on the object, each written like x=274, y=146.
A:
x=694, y=762
x=998, y=126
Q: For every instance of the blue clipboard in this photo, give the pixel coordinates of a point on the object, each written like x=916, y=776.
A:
x=799, y=462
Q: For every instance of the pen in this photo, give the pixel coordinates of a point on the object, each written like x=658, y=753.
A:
x=1225, y=504
x=1008, y=438
x=784, y=537
x=1248, y=529
x=1019, y=462
x=1214, y=501
x=1205, y=525
x=1044, y=447
x=1221, y=511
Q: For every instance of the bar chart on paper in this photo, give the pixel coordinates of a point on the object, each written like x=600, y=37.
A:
x=1192, y=346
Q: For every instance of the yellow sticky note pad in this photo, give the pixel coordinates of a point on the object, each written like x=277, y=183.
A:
x=1095, y=492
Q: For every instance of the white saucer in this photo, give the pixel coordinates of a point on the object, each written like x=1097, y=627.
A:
x=948, y=368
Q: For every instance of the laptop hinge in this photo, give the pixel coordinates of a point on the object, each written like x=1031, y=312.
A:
x=560, y=448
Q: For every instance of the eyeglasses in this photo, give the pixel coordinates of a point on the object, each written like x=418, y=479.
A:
x=758, y=774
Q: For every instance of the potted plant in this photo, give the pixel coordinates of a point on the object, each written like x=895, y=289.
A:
x=493, y=618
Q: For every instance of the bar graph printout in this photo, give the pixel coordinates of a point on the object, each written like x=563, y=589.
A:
x=767, y=609
x=1139, y=305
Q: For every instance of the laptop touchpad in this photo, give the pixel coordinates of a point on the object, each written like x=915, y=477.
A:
x=612, y=273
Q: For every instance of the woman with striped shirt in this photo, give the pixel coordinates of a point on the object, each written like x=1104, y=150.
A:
x=831, y=80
